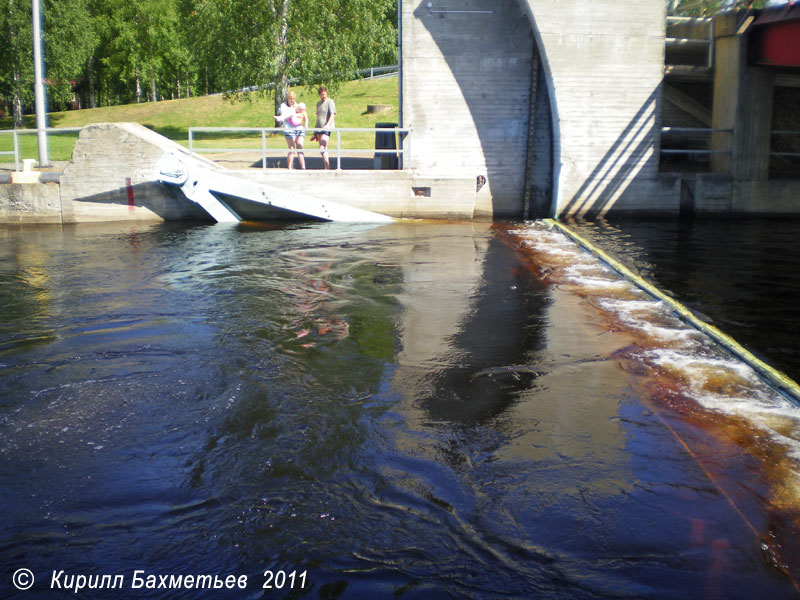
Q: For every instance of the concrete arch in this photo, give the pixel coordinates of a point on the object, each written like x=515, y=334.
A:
x=467, y=84
x=603, y=67
x=552, y=209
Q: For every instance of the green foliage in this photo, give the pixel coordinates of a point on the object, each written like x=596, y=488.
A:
x=119, y=51
x=705, y=8
x=268, y=43
x=68, y=45
x=16, y=48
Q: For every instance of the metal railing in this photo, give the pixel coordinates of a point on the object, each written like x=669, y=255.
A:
x=376, y=72
x=15, y=133
x=785, y=133
x=708, y=42
x=693, y=130
x=15, y=151
x=402, y=149
x=371, y=72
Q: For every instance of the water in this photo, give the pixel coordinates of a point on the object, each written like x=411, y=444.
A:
x=407, y=410
x=743, y=276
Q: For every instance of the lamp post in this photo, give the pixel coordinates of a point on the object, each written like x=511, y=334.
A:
x=38, y=86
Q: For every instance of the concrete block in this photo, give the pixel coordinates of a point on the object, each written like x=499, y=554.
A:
x=780, y=197
x=113, y=176
x=22, y=177
x=713, y=194
x=30, y=203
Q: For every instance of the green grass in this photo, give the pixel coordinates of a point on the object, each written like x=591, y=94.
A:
x=172, y=119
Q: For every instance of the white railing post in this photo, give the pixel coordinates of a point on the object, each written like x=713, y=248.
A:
x=191, y=151
x=263, y=148
x=16, y=152
x=338, y=149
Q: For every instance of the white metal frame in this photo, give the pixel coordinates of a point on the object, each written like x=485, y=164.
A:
x=401, y=132
x=15, y=133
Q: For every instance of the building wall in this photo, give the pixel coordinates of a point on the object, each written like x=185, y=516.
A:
x=466, y=95
x=603, y=63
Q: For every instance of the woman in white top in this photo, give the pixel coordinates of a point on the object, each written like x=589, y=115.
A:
x=294, y=118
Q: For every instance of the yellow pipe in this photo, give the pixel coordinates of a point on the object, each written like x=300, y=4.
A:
x=774, y=377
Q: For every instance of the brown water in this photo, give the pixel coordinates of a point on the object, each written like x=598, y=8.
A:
x=407, y=410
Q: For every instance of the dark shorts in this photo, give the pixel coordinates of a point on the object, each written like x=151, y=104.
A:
x=319, y=132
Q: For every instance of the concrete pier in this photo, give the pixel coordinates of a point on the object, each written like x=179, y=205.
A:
x=114, y=176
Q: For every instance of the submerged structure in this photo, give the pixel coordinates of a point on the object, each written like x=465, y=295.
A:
x=514, y=109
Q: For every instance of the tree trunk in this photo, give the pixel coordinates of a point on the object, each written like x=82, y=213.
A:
x=138, y=87
x=16, y=100
x=90, y=74
x=153, y=90
x=16, y=107
x=282, y=83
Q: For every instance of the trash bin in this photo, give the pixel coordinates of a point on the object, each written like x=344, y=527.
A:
x=386, y=140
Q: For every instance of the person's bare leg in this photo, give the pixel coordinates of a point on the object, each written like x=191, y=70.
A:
x=290, y=156
x=323, y=147
x=300, y=156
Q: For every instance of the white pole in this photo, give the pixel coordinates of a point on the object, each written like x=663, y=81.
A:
x=38, y=86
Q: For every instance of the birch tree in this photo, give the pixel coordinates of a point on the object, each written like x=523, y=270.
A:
x=264, y=45
x=16, y=50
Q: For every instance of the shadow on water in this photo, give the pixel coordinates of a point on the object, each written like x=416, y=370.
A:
x=494, y=345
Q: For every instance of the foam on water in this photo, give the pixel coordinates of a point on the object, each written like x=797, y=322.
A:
x=700, y=369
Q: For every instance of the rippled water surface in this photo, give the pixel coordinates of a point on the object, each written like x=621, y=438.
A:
x=741, y=275
x=411, y=410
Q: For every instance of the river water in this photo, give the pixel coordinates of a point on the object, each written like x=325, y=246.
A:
x=410, y=410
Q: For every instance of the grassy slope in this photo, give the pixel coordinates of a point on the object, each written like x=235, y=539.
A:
x=172, y=118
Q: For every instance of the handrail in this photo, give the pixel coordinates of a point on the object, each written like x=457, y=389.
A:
x=15, y=151
x=679, y=19
x=698, y=130
x=679, y=41
x=338, y=151
x=682, y=41
x=17, y=132
x=784, y=132
x=694, y=130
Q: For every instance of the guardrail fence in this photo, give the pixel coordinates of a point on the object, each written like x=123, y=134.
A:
x=695, y=141
x=15, y=133
x=396, y=142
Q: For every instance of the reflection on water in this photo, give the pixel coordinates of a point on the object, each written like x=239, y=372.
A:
x=404, y=410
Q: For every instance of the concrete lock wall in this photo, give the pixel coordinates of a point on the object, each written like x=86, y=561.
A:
x=477, y=62
x=605, y=64
x=114, y=172
x=466, y=87
x=113, y=177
